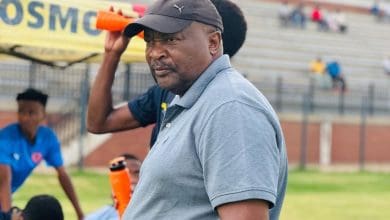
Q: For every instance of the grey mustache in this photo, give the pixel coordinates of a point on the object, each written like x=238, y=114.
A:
x=159, y=65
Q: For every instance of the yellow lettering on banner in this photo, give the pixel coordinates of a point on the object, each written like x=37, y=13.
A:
x=59, y=24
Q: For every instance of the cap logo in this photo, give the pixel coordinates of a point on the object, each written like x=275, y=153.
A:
x=178, y=8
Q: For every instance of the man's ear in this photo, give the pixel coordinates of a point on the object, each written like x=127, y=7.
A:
x=215, y=42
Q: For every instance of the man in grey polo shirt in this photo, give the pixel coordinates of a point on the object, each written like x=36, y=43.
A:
x=220, y=153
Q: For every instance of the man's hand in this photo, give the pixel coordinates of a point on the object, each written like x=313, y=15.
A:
x=115, y=41
x=16, y=214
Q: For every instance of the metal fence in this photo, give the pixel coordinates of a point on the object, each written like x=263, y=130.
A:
x=288, y=97
x=68, y=89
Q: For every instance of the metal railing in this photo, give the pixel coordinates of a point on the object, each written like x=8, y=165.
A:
x=66, y=123
x=69, y=91
x=287, y=97
x=133, y=79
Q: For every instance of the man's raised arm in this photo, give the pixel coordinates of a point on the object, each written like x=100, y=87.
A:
x=102, y=116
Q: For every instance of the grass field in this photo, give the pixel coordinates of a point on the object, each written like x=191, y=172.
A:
x=310, y=195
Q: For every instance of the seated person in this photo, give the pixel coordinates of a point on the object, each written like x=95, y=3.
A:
x=298, y=17
x=334, y=70
x=284, y=13
x=375, y=10
x=43, y=207
x=25, y=144
x=341, y=21
x=317, y=66
x=109, y=212
x=318, y=70
x=318, y=17
x=39, y=207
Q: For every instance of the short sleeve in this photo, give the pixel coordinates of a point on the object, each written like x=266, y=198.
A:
x=144, y=108
x=4, y=154
x=54, y=155
x=239, y=155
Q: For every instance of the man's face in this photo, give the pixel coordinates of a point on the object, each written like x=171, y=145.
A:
x=30, y=115
x=177, y=60
x=133, y=166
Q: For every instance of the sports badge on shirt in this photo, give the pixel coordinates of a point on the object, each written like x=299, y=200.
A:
x=36, y=157
x=16, y=156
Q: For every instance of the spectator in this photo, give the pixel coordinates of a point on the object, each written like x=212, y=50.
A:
x=298, y=17
x=109, y=212
x=317, y=66
x=375, y=9
x=318, y=70
x=386, y=12
x=43, y=207
x=386, y=65
x=334, y=70
x=331, y=21
x=381, y=12
x=341, y=21
x=39, y=207
x=23, y=145
x=318, y=17
x=284, y=14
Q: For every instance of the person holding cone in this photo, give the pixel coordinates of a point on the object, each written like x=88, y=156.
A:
x=216, y=115
x=149, y=107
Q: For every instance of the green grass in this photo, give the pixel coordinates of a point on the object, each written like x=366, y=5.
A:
x=310, y=195
x=92, y=189
x=337, y=196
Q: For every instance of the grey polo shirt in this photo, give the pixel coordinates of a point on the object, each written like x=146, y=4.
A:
x=220, y=142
